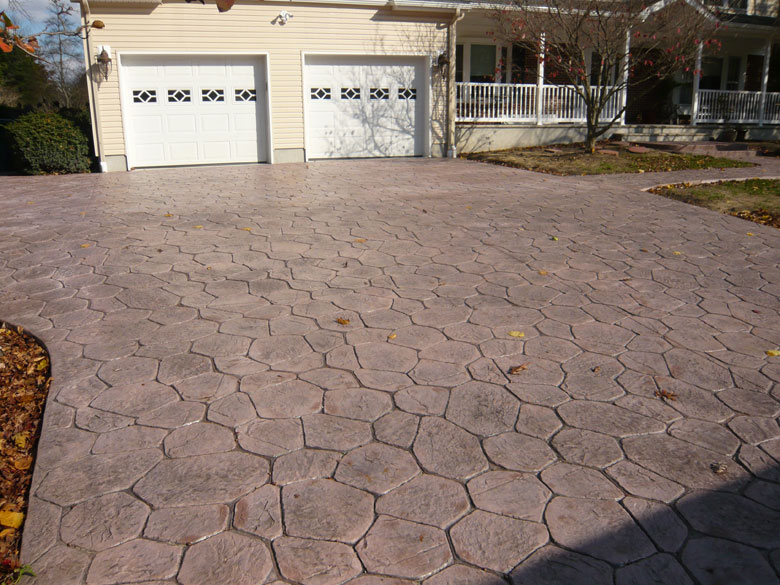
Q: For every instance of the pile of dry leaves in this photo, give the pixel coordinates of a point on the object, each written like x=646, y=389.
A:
x=24, y=383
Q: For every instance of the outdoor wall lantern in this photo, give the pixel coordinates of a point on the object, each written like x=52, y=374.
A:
x=283, y=17
x=104, y=63
x=440, y=61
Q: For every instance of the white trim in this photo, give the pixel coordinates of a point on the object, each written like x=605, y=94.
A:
x=426, y=63
x=123, y=98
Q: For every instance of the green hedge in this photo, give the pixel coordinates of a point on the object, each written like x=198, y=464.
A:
x=43, y=143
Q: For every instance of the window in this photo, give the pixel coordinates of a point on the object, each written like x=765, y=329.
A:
x=483, y=63
x=179, y=96
x=320, y=93
x=459, y=63
x=144, y=96
x=246, y=95
x=212, y=95
x=379, y=93
x=350, y=93
x=732, y=77
x=711, y=69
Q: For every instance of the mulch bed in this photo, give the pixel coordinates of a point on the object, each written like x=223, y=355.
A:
x=25, y=377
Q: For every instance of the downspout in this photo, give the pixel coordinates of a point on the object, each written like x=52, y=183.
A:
x=451, y=96
x=94, y=110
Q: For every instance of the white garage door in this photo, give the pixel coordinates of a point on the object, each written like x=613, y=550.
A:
x=365, y=106
x=182, y=110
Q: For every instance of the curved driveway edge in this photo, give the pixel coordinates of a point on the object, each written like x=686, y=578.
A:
x=301, y=373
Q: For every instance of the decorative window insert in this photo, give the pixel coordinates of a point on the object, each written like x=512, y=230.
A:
x=407, y=93
x=350, y=93
x=179, y=96
x=246, y=95
x=212, y=95
x=320, y=93
x=379, y=93
x=144, y=96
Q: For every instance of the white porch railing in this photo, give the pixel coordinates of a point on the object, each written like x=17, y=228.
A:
x=517, y=102
x=737, y=107
x=496, y=102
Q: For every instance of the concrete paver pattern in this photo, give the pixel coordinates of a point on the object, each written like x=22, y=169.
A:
x=307, y=374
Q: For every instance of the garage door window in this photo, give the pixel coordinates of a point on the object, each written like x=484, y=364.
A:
x=179, y=96
x=246, y=95
x=350, y=93
x=407, y=93
x=320, y=93
x=144, y=96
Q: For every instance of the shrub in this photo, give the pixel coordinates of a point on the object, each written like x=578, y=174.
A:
x=44, y=143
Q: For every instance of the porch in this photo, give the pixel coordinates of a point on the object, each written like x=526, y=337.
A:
x=527, y=103
x=500, y=82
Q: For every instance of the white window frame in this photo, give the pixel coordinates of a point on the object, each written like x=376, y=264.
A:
x=466, y=42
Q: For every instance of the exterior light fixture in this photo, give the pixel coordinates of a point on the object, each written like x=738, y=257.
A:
x=283, y=17
x=104, y=63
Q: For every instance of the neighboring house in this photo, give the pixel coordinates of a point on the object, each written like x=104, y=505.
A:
x=176, y=83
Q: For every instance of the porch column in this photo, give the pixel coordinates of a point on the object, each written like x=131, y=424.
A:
x=451, y=89
x=764, y=82
x=696, y=77
x=624, y=80
x=540, y=80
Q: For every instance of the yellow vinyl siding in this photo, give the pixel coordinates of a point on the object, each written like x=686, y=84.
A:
x=176, y=26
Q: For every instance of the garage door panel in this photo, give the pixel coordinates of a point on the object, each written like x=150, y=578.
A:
x=364, y=107
x=194, y=109
x=183, y=151
x=182, y=123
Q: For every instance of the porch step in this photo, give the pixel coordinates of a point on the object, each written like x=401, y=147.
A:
x=662, y=133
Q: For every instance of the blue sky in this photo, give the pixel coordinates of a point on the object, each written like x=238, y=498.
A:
x=36, y=11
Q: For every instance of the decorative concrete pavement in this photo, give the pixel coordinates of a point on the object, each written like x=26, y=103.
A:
x=392, y=372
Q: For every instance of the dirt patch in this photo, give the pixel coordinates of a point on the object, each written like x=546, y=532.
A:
x=757, y=200
x=24, y=383
x=609, y=158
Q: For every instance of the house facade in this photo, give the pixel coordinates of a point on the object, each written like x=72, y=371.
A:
x=174, y=82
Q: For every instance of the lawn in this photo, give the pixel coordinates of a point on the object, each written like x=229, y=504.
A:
x=756, y=199
x=609, y=158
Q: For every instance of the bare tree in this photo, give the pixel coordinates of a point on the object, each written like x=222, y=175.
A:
x=602, y=48
x=61, y=50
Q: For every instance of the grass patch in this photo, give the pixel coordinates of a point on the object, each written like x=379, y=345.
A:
x=609, y=158
x=757, y=200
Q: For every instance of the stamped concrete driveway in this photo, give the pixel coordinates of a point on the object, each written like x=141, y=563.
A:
x=434, y=371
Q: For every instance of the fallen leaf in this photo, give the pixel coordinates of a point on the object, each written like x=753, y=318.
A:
x=554, y=238
x=595, y=369
x=468, y=207
x=85, y=245
x=718, y=467
x=641, y=171
x=6, y=532
x=168, y=215
x=392, y=336
x=516, y=334
x=751, y=234
x=247, y=229
x=23, y=463
x=665, y=395
x=360, y=241
x=342, y=321
x=20, y=440
x=677, y=253
x=198, y=227
x=773, y=352
x=11, y=519
x=543, y=272
x=514, y=370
